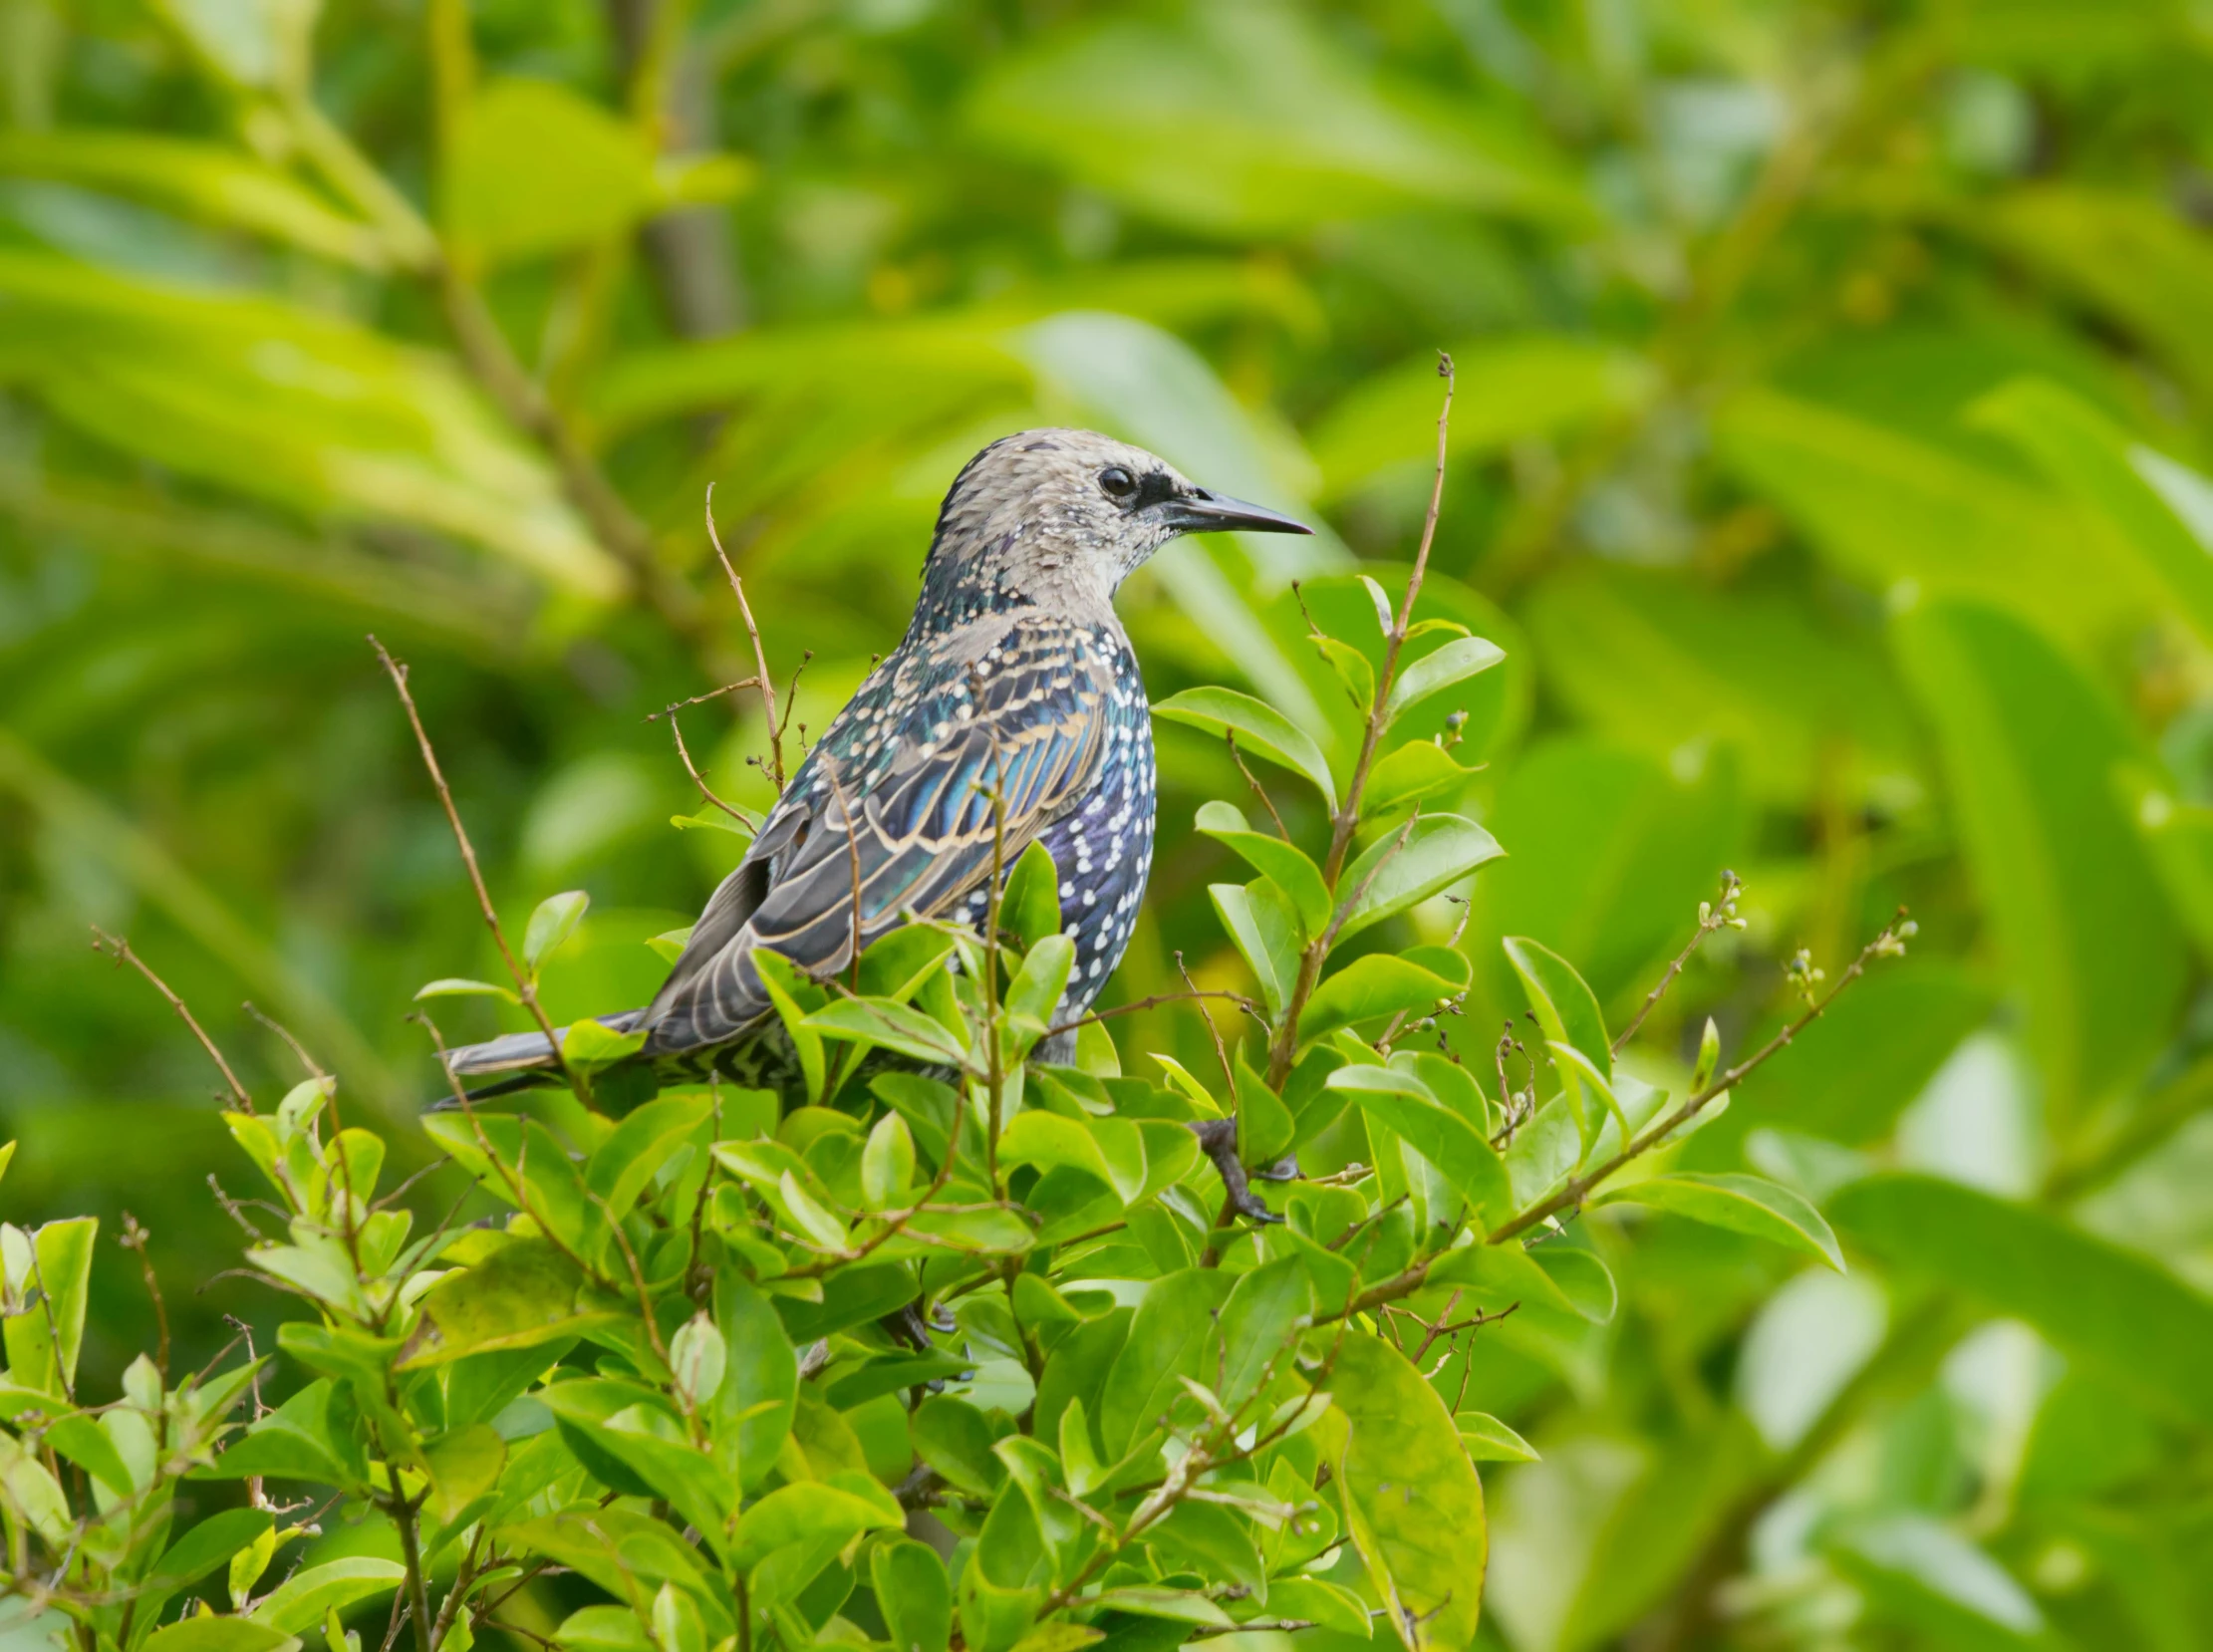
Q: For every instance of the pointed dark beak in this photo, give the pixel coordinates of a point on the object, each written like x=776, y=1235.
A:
x=1202, y=511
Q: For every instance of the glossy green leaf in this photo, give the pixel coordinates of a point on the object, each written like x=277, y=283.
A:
x=525, y=1293
x=298, y=1604
x=1285, y=863
x=1412, y=1504
x=1490, y=1440
x=1260, y=730
x=1741, y=1203
x=1371, y=988
x=1403, y=1102
x=1441, y=669
x=1173, y=1336
x=1404, y=867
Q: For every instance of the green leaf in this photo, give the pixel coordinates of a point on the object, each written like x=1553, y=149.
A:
x=1741, y=1203
x=523, y=1293
x=1889, y=508
x=1400, y=1101
x=896, y=964
x=1264, y=1313
x=1323, y=1604
x=759, y=1392
x=1401, y=868
x=552, y=922
x=455, y=986
x=1457, y=661
x=590, y=1047
x=914, y=1594
x=1416, y=770
x=2029, y=751
x=1172, y=1337
x=1174, y=1605
x=2117, y=1312
x=649, y=1136
x=1109, y=1151
x=1370, y=988
x=2179, y=840
x=1490, y=1440
x=1413, y=1504
x=218, y=1634
x=533, y=168
x=1565, y=1007
x=815, y=1510
x=1258, y=919
x=1259, y=729
x=1285, y=863
x=1029, y=905
x=1035, y=992
x=298, y=1604
x=303, y=1439
x=888, y=1163
x=42, y=1344
x=650, y=1443
x=888, y=1026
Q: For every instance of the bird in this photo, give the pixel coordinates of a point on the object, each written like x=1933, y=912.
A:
x=1014, y=679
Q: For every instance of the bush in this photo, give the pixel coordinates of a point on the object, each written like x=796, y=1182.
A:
x=951, y=1350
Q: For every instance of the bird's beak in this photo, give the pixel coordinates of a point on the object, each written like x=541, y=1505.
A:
x=1202, y=511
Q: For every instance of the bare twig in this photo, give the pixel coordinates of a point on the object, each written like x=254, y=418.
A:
x=1258, y=790
x=133, y=1238
x=116, y=947
x=683, y=756
x=1154, y=1001
x=525, y=987
x=1711, y=916
x=767, y=683
x=299, y=1051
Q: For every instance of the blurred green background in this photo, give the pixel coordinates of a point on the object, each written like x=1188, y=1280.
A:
x=1830, y=457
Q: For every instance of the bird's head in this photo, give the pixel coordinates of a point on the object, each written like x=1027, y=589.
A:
x=1073, y=512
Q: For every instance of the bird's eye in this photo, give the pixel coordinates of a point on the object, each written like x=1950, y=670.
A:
x=1116, y=482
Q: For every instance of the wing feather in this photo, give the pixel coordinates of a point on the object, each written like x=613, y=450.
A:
x=901, y=788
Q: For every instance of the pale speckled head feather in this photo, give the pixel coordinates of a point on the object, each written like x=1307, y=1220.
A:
x=1060, y=518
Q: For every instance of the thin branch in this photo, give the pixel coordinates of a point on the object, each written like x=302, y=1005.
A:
x=524, y=986
x=767, y=683
x=852, y=857
x=313, y=1066
x=1154, y=1001
x=683, y=754
x=116, y=947
x=1889, y=944
x=1258, y=790
x=1711, y=916
x=1284, y=1047
x=133, y=1238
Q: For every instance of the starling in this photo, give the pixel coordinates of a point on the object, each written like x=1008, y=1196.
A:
x=1014, y=679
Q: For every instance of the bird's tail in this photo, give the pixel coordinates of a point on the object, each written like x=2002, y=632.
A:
x=523, y=1052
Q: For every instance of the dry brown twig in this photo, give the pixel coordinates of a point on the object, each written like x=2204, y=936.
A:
x=525, y=987
x=766, y=683
x=116, y=947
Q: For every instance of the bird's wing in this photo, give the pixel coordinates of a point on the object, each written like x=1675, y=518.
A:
x=902, y=795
